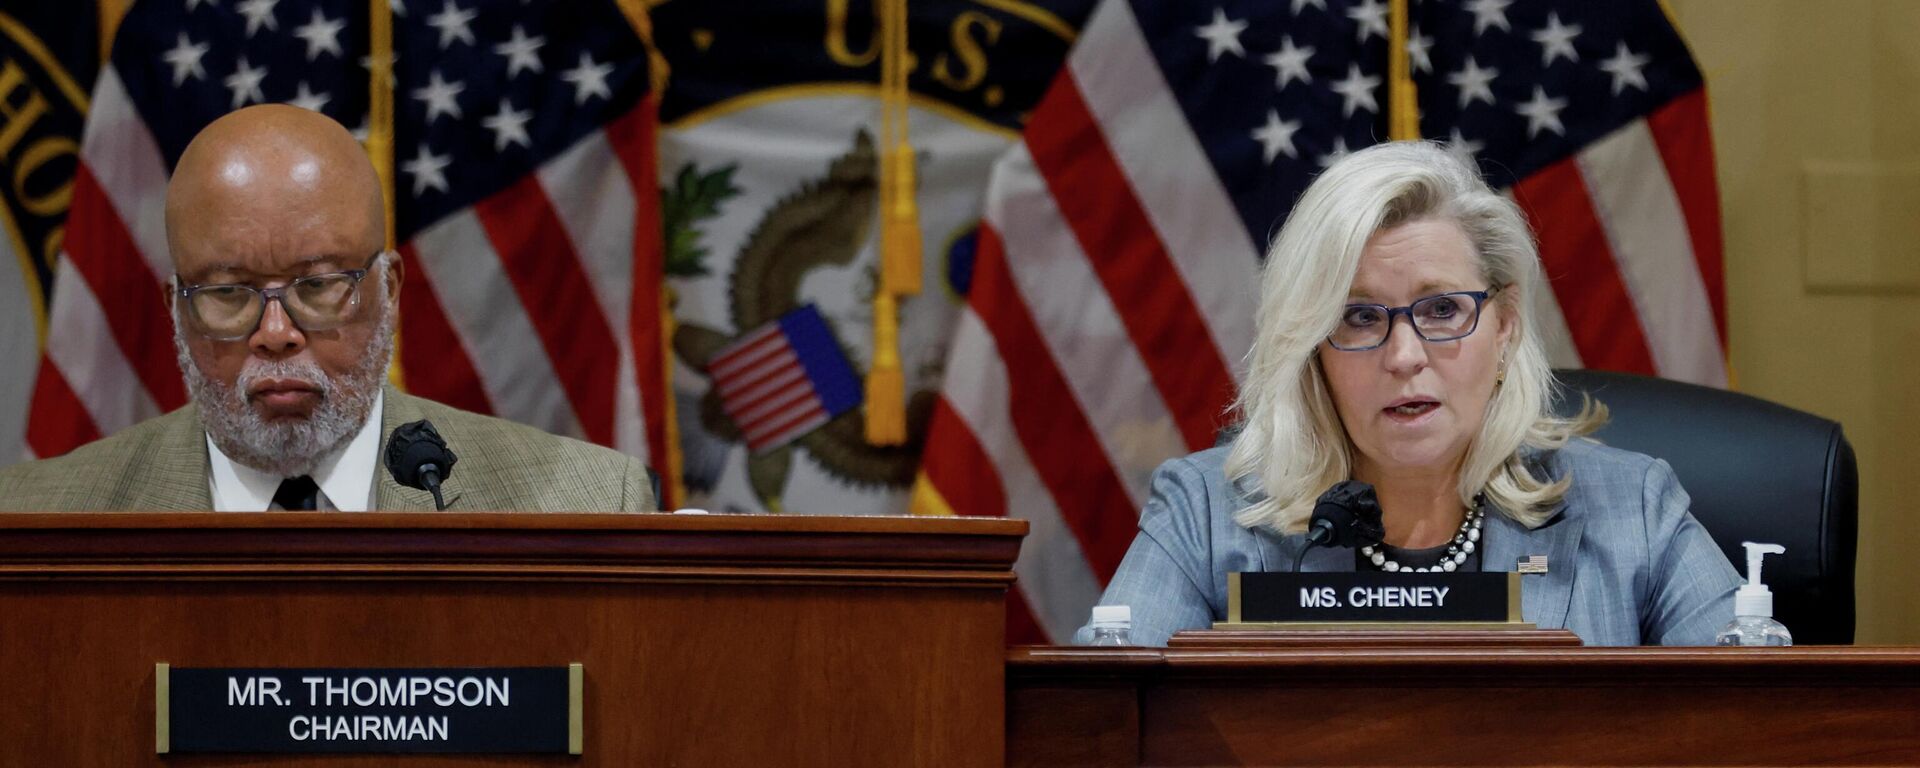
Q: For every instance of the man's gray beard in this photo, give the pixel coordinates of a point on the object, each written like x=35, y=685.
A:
x=289, y=447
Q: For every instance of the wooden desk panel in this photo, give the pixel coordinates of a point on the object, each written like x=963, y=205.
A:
x=718, y=641
x=1383, y=706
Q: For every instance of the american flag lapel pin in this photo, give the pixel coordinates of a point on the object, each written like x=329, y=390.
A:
x=1533, y=564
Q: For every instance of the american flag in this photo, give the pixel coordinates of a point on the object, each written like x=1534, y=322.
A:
x=1114, y=288
x=785, y=379
x=525, y=198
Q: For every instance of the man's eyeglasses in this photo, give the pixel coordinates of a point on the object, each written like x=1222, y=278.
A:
x=230, y=311
x=1445, y=317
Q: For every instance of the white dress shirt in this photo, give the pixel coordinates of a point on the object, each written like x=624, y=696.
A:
x=345, y=476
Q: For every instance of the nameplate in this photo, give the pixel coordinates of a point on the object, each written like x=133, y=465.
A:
x=467, y=710
x=1367, y=597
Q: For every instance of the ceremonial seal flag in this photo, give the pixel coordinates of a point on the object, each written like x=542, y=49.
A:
x=525, y=196
x=774, y=155
x=49, y=56
x=1114, y=289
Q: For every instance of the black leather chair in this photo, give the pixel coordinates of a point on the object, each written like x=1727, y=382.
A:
x=1757, y=471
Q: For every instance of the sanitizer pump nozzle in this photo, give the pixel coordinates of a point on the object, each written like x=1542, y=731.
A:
x=1753, y=622
x=1754, y=599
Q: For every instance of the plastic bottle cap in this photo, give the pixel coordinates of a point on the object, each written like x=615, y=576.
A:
x=1112, y=615
x=1753, y=603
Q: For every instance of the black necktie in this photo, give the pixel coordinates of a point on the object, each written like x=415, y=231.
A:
x=297, y=494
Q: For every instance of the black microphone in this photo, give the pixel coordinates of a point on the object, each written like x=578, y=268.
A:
x=419, y=458
x=1347, y=515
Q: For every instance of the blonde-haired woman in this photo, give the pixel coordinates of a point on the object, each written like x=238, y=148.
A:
x=1395, y=346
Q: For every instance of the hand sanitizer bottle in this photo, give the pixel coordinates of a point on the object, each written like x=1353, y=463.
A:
x=1753, y=622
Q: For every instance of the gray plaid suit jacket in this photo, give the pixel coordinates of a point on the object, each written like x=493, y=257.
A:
x=161, y=464
x=1627, y=563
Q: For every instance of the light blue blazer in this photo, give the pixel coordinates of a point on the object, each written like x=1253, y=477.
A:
x=1626, y=562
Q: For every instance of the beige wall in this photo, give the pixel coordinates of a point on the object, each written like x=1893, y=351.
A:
x=1816, y=121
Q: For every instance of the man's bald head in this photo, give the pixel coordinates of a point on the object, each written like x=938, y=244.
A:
x=261, y=198
x=257, y=178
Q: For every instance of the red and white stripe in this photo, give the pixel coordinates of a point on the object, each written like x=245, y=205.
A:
x=539, y=304
x=1629, y=231
x=109, y=357
x=1112, y=293
x=980, y=464
x=1114, y=289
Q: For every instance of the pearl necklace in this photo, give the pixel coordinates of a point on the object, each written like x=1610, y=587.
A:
x=1462, y=546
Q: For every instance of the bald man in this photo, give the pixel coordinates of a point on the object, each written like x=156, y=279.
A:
x=283, y=303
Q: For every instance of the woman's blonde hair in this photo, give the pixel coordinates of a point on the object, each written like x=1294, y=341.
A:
x=1292, y=446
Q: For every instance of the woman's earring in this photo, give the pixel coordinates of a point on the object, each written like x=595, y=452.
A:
x=1500, y=378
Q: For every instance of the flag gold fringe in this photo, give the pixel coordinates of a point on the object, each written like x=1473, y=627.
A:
x=1403, y=106
x=636, y=13
x=110, y=13
x=926, y=500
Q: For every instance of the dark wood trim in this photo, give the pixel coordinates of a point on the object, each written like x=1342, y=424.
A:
x=505, y=545
x=1821, y=666
x=1373, y=638
x=901, y=524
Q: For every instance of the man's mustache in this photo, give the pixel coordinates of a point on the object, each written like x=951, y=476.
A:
x=305, y=371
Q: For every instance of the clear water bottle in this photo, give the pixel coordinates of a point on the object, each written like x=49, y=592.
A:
x=1753, y=622
x=1110, y=625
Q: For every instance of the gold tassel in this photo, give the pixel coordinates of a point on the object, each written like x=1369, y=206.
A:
x=886, y=383
x=899, y=236
x=900, y=215
x=900, y=230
